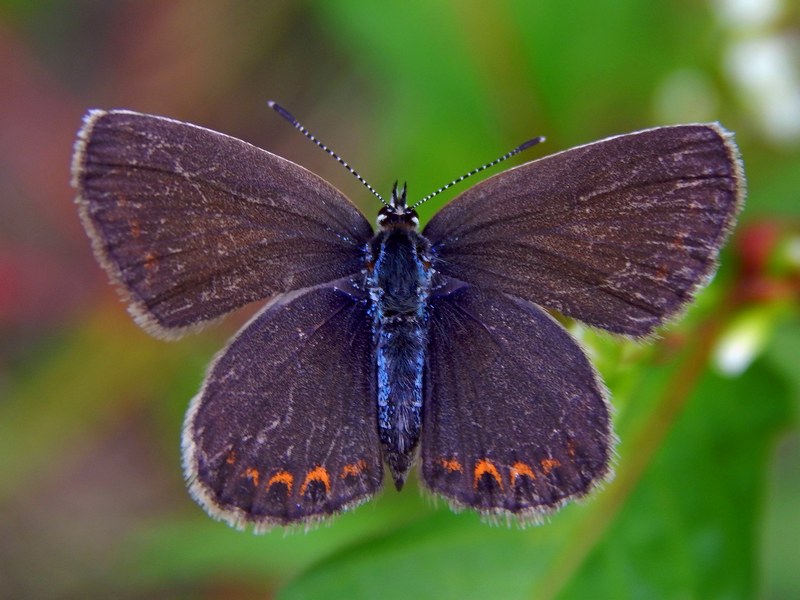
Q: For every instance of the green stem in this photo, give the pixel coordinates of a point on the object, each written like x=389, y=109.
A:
x=649, y=439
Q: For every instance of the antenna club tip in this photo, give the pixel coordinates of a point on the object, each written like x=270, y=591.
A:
x=531, y=142
x=281, y=111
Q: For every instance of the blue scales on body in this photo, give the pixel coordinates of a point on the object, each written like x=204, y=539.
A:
x=399, y=282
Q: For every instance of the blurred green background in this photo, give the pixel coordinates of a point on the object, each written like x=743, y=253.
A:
x=706, y=502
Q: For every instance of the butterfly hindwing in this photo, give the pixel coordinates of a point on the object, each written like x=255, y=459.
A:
x=191, y=223
x=283, y=430
x=618, y=233
x=515, y=418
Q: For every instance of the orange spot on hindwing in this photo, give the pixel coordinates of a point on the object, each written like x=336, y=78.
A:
x=548, y=464
x=451, y=464
x=252, y=474
x=521, y=469
x=353, y=469
x=484, y=467
x=283, y=477
x=317, y=474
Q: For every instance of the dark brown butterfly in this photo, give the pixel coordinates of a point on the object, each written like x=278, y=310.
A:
x=375, y=345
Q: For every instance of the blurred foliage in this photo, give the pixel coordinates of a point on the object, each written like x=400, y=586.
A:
x=704, y=503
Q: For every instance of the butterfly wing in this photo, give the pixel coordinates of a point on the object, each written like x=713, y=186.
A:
x=515, y=418
x=192, y=224
x=619, y=233
x=283, y=430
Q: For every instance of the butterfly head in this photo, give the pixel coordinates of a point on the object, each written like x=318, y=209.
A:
x=397, y=213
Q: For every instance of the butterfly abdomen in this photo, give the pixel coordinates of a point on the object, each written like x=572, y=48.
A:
x=399, y=284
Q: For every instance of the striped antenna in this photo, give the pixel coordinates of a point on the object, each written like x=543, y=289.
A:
x=288, y=116
x=517, y=150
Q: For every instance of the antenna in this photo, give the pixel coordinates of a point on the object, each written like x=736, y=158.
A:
x=288, y=116
x=506, y=156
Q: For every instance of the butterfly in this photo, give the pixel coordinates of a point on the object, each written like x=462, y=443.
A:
x=398, y=346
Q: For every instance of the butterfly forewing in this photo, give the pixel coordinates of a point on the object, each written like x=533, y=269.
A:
x=284, y=428
x=515, y=418
x=618, y=233
x=192, y=223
